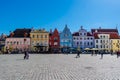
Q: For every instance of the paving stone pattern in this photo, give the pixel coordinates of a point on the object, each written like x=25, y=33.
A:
x=59, y=67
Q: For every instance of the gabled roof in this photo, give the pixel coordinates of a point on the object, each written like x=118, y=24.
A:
x=55, y=31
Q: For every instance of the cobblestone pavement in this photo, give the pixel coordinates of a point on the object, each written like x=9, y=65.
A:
x=59, y=67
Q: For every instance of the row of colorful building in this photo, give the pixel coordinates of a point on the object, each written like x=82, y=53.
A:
x=41, y=40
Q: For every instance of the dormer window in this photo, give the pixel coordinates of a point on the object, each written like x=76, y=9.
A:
x=66, y=35
x=80, y=33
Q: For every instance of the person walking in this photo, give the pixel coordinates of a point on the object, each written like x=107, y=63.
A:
x=102, y=52
x=78, y=53
x=26, y=55
x=118, y=54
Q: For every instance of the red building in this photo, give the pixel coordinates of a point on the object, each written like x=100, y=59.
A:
x=54, y=41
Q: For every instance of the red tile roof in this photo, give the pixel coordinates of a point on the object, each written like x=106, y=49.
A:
x=104, y=30
x=113, y=35
x=21, y=33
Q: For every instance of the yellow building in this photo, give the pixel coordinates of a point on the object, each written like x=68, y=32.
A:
x=39, y=40
x=114, y=42
x=115, y=45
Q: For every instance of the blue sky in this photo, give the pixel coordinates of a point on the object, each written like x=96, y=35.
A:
x=56, y=13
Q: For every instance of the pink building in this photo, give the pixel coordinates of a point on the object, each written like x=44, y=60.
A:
x=17, y=43
x=18, y=40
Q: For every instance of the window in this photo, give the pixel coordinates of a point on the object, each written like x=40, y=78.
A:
x=91, y=38
x=88, y=43
x=41, y=36
x=74, y=38
x=84, y=33
x=91, y=43
x=80, y=38
x=45, y=36
x=33, y=36
x=80, y=33
x=100, y=41
x=55, y=39
x=88, y=38
x=11, y=42
x=96, y=41
x=104, y=46
x=77, y=43
x=55, y=43
x=14, y=42
x=118, y=41
x=84, y=43
x=17, y=42
x=65, y=35
x=84, y=38
x=103, y=36
x=7, y=42
x=80, y=43
x=96, y=46
x=37, y=36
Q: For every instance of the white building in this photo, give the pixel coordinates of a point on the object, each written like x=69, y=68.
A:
x=102, y=40
x=83, y=39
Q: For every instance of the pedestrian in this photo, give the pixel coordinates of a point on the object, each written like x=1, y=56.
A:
x=102, y=52
x=111, y=52
x=26, y=55
x=118, y=53
x=78, y=54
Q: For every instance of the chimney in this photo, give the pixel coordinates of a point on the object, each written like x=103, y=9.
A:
x=11, y=34
x=100, y=27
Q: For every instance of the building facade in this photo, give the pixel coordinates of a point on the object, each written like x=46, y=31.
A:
x=114, y=42
x=54, y=41
x=83, y=39
x=2, y=41
x=107, y=39
x=66, y=39
x=18, y=40
x=39, y=40
x=102, y=41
